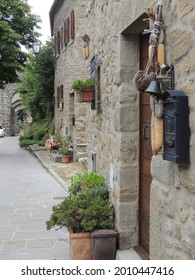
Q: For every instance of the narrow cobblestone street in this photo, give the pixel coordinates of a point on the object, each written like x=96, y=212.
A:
x=27, y=194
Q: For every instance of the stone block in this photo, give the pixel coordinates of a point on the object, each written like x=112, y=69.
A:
x=163, y=171
x=125, y=194
x=181, y=42
x=128, y=177
x=126, y=215
x=126, y=118
x=128, y=149
x=184, y=211
x=127, y=94
x=190, y=62
x=185, y=7
x=127, y=239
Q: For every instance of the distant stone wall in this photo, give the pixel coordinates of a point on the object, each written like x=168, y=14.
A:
x=8, y=119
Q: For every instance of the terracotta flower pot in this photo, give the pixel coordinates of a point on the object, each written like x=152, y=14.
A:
x=80, y=246
x=86, y=94
x=66, y=159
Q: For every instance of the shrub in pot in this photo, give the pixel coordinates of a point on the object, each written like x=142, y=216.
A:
x=80, y=84
x=86, y=209
x=66, y=154
x=66, y=149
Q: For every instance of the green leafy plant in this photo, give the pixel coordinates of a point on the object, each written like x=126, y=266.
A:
x=80, y=84
x=85, y=209
x=65, y=152
x=66, y=145
x=86, y=180
x=36, y=133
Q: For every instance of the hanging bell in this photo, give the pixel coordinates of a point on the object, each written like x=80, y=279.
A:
x=154, y=88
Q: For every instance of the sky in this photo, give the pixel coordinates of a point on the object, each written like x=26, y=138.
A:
x=42, y=8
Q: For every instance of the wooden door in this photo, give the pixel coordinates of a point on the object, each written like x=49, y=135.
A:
x=145, y=159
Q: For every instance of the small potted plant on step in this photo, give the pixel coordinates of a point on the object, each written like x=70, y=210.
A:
x=85, y=89
x=66, y=155
x=86, y=209
x=66, y=149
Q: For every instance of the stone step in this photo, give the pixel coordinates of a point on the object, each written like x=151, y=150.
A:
x=81, y=147
x=83, y=162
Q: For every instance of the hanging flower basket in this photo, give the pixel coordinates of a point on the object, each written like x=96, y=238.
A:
x=86, y=94
x=85, y=90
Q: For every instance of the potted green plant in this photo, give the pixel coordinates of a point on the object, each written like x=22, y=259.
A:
x=66, y=154
x=85, y=209
x=66, y=149
x=85, y=89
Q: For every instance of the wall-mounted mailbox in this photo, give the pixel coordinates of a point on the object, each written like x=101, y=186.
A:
x=176, y=126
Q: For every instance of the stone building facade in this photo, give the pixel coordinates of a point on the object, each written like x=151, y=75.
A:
x=160, y=220
x=70, y=115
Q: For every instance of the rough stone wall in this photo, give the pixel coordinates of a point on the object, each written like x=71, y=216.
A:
x=113, y=129
x=174, y=185
x=70, y=66
x=7, y=114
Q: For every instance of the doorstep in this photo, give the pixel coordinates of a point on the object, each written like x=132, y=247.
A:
x=127, y=255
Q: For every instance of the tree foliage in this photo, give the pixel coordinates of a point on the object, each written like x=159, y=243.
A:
x=18, y=27
x=37, y=86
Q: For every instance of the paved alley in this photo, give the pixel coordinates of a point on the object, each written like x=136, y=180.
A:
x=27, y=194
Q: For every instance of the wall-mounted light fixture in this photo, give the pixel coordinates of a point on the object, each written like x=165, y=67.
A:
x=37, y=47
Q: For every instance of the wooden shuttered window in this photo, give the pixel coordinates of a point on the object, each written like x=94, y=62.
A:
x=61, y=37
x=72, y=23
x=58, y=41
x=64, y=34
x=66, y=31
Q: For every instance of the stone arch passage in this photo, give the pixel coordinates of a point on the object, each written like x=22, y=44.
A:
x=16, y=106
